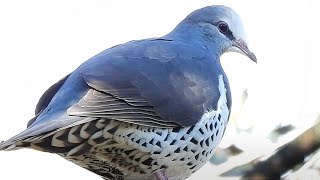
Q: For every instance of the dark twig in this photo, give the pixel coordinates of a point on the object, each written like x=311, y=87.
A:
x=287, y=156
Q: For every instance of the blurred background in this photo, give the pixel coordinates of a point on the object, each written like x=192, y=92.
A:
x=274, y=101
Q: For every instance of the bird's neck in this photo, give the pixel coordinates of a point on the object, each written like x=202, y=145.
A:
x=195, y=35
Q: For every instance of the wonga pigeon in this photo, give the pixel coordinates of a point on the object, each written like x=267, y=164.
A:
x=156, y=107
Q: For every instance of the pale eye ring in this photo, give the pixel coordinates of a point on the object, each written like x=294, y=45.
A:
x=223, y=27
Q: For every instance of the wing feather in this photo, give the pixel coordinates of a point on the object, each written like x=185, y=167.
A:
x=103, y=105
x=153, y=82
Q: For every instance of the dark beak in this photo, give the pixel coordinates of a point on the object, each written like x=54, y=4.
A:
x=244, y=49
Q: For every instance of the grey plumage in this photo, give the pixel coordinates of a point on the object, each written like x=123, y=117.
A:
x=143, y=106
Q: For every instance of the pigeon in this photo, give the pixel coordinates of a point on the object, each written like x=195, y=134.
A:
x=152, y=108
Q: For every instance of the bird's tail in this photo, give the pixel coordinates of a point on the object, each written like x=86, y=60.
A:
x=11, y=145
x=39, y=133
x=16, y=142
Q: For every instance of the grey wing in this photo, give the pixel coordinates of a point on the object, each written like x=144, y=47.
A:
x=153, y=83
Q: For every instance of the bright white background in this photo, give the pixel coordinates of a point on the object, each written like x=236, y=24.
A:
x=41, y=41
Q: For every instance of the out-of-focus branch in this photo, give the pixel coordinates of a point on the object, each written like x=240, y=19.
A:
x=284, y=159
x=287, y=156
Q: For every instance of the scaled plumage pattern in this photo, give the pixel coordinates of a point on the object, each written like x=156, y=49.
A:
x=150, y=108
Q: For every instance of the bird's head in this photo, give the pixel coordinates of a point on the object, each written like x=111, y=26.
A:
x=222, y=26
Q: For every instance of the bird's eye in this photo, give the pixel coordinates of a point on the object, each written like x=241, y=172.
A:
x=223, y=27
